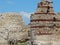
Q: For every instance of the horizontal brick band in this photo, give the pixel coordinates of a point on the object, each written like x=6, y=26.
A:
x=44, y=20
x=44, y=26
x=44, y=34
x=45, y=13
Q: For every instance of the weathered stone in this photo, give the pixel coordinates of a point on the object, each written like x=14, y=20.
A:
x=45, y=24
x=12, y=27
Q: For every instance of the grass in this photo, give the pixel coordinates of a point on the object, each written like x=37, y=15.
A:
x=22, y=44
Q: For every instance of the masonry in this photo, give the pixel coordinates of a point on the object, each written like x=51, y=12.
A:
x=45, y=24
x=12, y=28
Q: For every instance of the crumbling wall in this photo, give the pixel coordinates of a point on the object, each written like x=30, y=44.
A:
x=11, y=27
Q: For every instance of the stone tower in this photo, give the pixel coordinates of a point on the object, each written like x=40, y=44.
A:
x=42, y=19
x=45, y=24
x=45, y=7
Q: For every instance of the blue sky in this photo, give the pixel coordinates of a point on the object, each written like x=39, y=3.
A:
x=25, y=7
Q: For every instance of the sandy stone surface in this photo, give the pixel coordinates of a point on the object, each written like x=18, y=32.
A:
x=12, y=27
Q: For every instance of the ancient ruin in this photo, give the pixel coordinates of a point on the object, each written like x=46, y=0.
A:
x=12, y=28
x=45, y=25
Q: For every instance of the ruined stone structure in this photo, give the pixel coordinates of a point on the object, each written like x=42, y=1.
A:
x=45, y=24
x=12, y=28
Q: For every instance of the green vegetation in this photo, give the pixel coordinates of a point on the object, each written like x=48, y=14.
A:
x=22, y=44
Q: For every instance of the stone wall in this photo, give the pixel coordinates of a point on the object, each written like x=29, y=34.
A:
x=45, y=24
x=12, y=27
x=47, y=40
